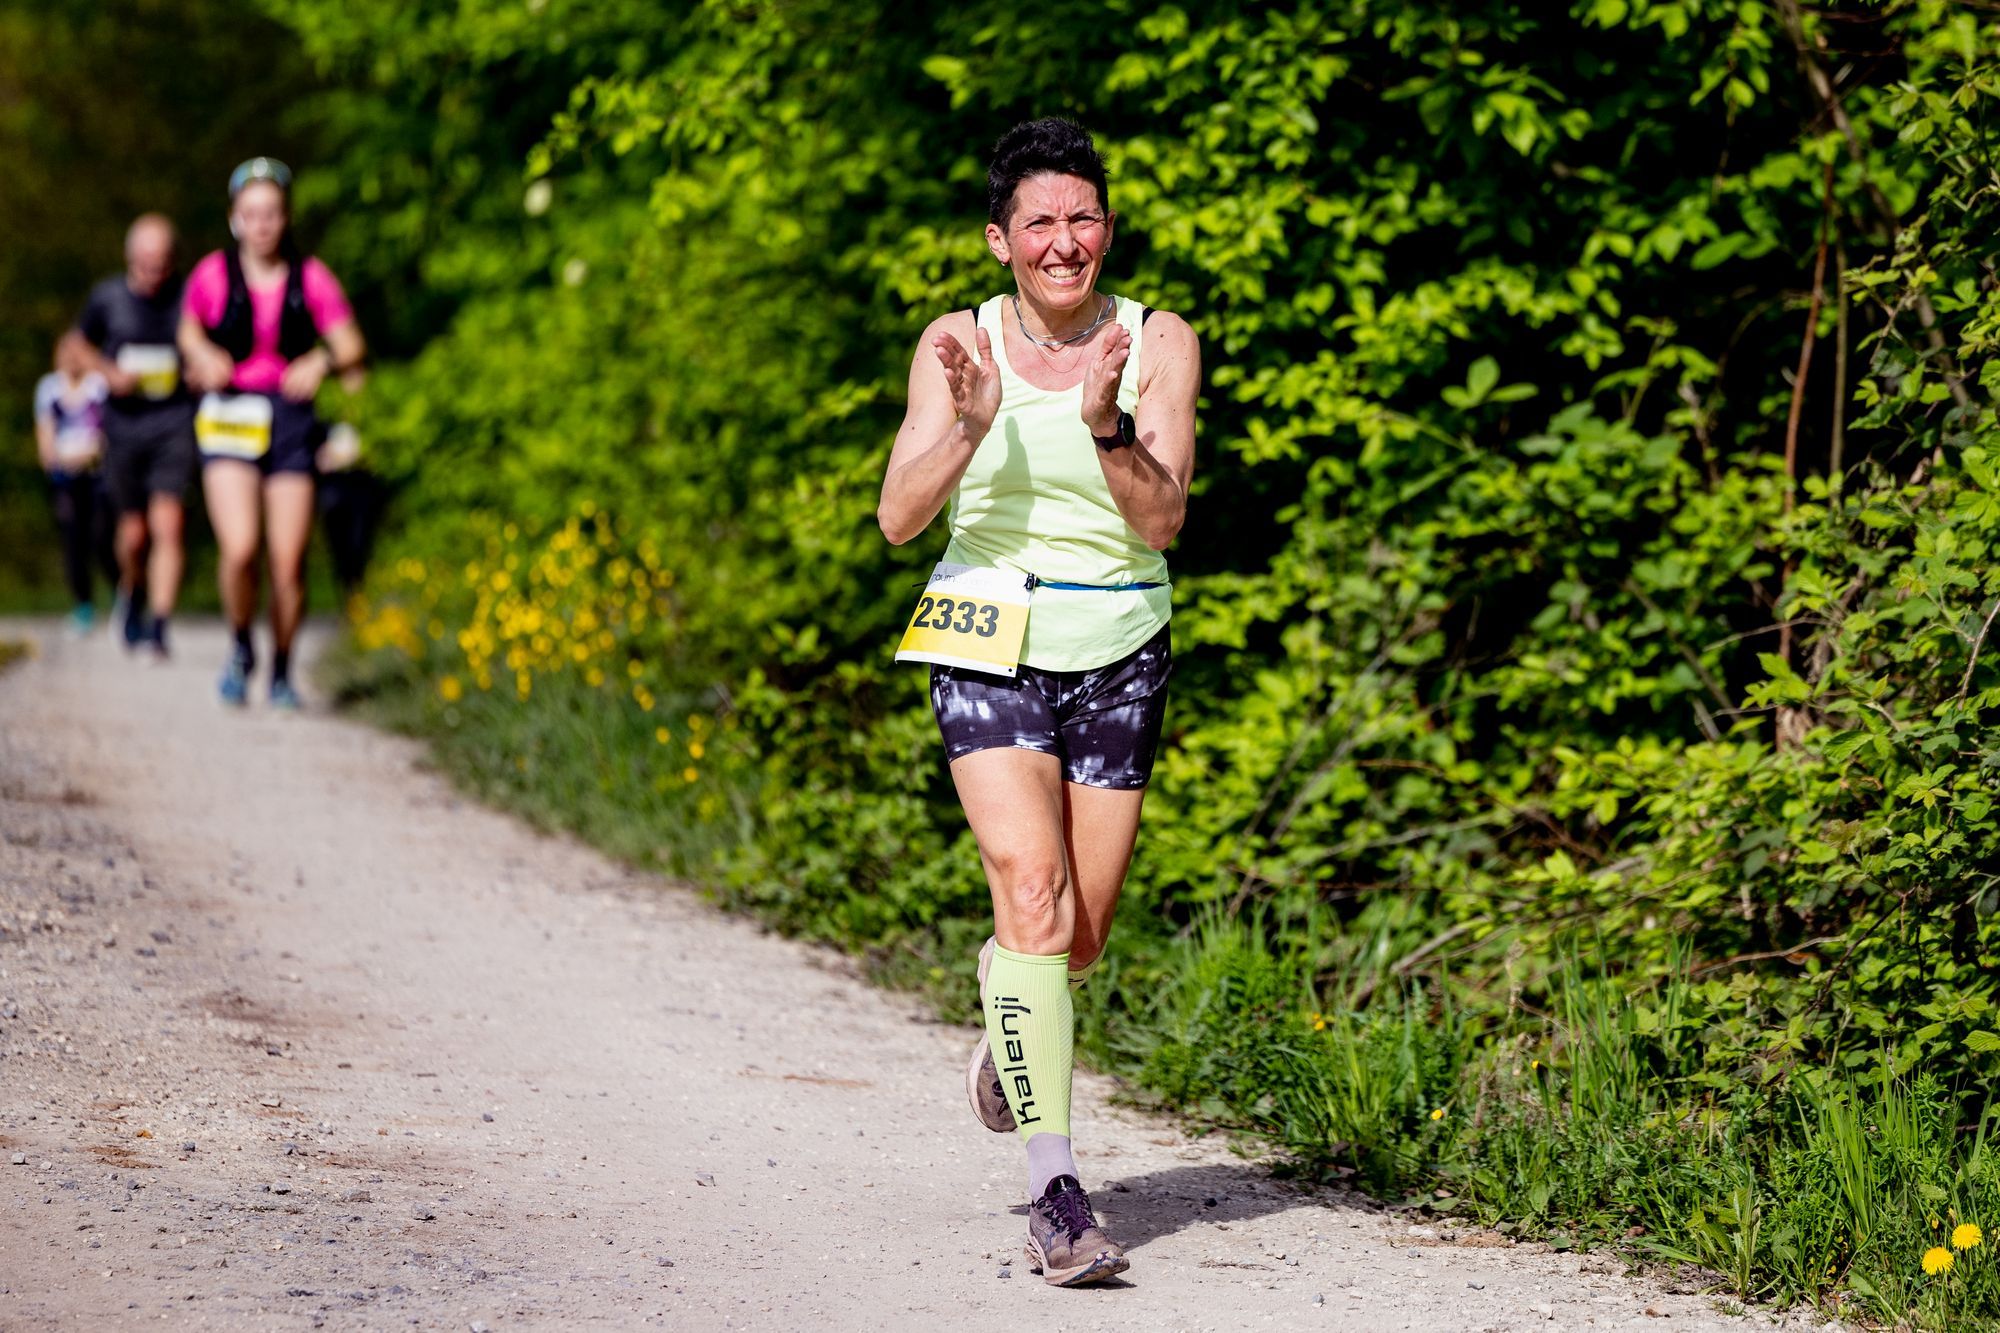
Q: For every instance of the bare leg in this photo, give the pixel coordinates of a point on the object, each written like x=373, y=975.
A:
x=130, y=547
x=1013, y=800
x=166, y=520
x=1100, y=827
x=288, y=509
x=232, y=489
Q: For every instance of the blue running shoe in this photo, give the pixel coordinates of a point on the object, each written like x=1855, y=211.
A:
x=234, y=687
x=81, y=620
x=285, y=697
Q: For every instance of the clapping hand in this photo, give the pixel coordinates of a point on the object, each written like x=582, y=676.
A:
x=1100, y=381
x=975, y=385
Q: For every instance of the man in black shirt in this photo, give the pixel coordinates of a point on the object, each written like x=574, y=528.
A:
x=127, y=333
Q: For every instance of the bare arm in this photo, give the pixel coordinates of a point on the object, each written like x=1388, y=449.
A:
x=121, y=382
x=45, y=443
x=953, y=400
x=343, y=351
x=209, y=368
x=350, y=355
x=1149, y=480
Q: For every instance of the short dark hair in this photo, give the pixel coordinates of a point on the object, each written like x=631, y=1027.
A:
x=1033, y=147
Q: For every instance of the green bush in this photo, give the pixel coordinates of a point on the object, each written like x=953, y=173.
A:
x=1580, y=766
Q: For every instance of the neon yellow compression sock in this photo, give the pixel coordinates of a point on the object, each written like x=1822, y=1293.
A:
x=1031, y=1027
x=1079, y=975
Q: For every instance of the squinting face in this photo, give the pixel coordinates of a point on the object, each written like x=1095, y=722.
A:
x=1055, y=240
x=258, y=218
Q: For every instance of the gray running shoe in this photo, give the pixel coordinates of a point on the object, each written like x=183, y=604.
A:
x=982, y=1076
x=1065, y=1244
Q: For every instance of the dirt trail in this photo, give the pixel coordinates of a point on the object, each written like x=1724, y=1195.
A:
x=293, y=1036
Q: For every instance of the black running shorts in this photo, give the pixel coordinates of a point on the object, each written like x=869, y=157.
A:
x=1102, y=724
x=148, y=454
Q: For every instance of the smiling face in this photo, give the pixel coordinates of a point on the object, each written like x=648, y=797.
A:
x=1054, y=240
x=258, y=218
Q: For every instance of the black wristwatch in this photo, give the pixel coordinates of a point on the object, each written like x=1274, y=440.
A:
x=1126, y=434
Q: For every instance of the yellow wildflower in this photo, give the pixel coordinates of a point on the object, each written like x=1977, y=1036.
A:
x=689, y=774
x=451, y=692
x=695, y=750
x=1966, y=1236
x=1937, y=1259
x=1319, y=1022
x=1438, y=1114
x=662, y=735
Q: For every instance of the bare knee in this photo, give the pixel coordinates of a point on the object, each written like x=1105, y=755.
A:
x=237, y=560
x=1032, y=889
x=168, y=524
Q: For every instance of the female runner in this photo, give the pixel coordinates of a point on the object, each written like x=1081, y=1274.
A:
x=262, y=326
x=1058, y=422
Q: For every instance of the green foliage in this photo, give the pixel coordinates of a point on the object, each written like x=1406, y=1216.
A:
x=1570, y=669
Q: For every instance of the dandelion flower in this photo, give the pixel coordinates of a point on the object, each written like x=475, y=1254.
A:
x=1534, y=1064
x=662, y=735
x=1966, y=1236
x=1937, y=1259
x=1438, y=1114
x=451, y=692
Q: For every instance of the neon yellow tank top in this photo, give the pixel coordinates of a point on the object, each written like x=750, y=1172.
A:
x=1035, y=500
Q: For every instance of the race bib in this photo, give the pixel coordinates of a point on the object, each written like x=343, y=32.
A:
x=157, y=367
x=342, y=449
x=969, y=617
x=234, y=425
x=78, y=448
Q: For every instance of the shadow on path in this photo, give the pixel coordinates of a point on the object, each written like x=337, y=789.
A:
x=1139, y=1209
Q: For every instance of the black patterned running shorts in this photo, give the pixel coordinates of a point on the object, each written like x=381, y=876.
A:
x=1102, y=724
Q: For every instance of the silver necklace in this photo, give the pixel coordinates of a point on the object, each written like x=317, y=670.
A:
x=1053, y=343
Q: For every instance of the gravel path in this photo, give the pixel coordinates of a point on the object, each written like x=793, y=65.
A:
x=292, y=1036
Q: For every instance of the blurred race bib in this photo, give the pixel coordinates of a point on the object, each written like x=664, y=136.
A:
x=234, y=425
x=342, y=449
x=157, y=367
x=969, y=617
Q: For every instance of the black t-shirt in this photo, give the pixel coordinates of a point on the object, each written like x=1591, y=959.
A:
x=138, y=334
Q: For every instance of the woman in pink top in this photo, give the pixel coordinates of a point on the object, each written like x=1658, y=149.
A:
x=262, y=326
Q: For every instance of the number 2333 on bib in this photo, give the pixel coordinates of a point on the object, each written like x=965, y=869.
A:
x=969, y=617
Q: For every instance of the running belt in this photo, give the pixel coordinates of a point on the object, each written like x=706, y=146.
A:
x=1036, y=581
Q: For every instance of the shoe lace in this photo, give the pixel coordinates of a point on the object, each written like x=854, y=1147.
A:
x=1071, y=1208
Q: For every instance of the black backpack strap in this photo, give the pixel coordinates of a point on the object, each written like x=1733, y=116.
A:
x=1145, y=314
x=233, y=332
x=297, y=334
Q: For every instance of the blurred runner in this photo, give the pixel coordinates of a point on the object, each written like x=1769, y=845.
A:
x=351, y=501
x=127, y=334
x=69, y=441
x=1058, y=424
x=263, y=327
